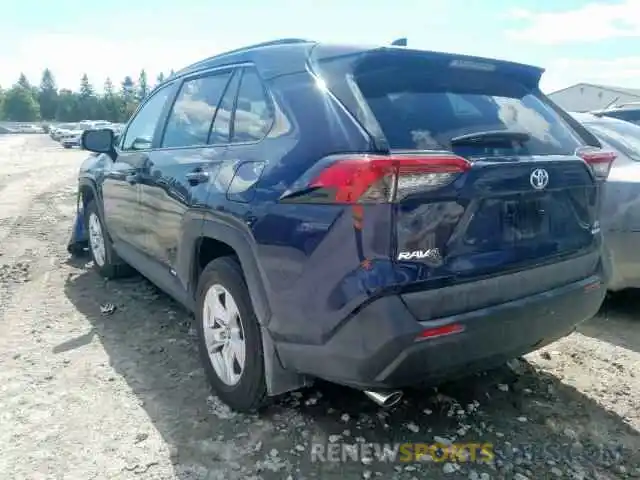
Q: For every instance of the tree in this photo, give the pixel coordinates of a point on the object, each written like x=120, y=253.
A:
x=160, y=78
x=24, y=82
x=143, y=86
x=110, y=102
x=19, y=105
x=128, y=88
x=86, y=89
x=113, y=104
x=48, y=96
x=67, y=110
x=108, y=88
x=87, y=100
x=129, y=100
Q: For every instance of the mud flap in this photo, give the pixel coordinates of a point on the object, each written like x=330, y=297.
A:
x=278, y=379
x=79, y=239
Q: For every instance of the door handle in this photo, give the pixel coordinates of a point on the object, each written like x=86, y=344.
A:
x=197, y=176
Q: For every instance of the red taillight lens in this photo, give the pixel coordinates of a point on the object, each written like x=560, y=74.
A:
x=599, y=160
x=379, y=178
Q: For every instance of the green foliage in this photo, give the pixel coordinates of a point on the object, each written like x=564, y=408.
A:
x=48, y=96
x=20, y=105
x=28, y=103
x=23, y=82
x=67, y=109
x=143, y=86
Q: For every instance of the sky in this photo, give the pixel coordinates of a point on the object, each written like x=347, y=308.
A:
x=574, y=40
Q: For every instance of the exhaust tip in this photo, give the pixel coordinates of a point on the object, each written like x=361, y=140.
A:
x=384, y=399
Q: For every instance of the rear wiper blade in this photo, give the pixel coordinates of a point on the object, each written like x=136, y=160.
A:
x=491, y=137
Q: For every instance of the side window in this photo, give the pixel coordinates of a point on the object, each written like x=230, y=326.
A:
x=222, y=123
x=253, y=115
x=193, y=111
x=139, y=134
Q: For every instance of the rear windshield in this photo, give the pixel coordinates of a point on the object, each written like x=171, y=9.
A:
x=417, y=105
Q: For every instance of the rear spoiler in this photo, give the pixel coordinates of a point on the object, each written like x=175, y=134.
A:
x=528, y=75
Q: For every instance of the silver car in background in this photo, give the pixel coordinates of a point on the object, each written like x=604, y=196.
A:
x=620, y=214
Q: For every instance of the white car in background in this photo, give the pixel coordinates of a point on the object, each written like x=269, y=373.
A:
x=30, y=129
x=99, y=124
x=62, y=129
x=72, y=138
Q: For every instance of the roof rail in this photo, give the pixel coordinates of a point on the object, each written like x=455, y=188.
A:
x=281, y=41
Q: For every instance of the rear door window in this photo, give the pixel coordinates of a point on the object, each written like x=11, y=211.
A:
x=221, y=131
x=192, y=114
x=418, y=106
x=253, y=116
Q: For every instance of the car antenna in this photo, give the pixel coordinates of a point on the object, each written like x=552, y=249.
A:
x=399, y=42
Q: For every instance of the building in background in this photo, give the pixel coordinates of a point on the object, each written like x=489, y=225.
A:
x=584, y=97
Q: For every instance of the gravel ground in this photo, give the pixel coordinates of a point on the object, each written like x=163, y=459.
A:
x=84, y=394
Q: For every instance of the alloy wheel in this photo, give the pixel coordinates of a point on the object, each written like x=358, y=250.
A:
x=223, y=334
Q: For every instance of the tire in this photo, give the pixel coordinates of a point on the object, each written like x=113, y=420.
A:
x=249, y=392
x=105, y=259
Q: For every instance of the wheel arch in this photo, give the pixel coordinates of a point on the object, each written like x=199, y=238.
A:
x=219, y=238
x=214, y=237
x=87, y=191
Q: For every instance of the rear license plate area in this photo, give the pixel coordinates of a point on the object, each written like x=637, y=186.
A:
x=524, y=219
x=508, y=222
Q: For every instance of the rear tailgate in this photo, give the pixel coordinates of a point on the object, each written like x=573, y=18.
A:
x=522, y=204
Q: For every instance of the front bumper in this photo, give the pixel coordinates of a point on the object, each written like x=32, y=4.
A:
x=376, y=348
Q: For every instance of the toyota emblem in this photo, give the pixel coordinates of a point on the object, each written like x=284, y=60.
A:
x=539, y=178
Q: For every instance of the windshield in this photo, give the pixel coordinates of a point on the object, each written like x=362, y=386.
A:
x=623, y=136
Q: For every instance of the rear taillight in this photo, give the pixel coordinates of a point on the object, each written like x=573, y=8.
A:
x=598, y=159
x=380, y=178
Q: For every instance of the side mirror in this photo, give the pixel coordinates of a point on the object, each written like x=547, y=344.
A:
x=99, y=141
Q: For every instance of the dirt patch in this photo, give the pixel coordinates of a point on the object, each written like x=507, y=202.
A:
x=88, y=391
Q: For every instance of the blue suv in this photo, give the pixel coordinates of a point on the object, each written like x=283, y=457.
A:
x=375, y=217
